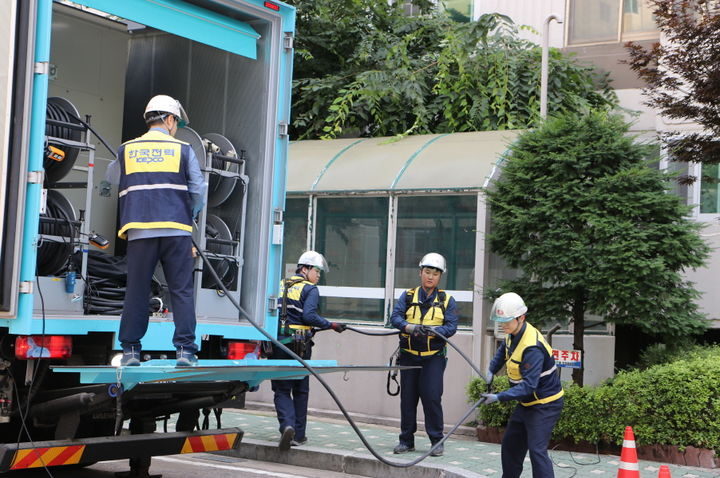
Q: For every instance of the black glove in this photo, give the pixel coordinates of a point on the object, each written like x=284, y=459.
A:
x=338, y=327
x=417, y=330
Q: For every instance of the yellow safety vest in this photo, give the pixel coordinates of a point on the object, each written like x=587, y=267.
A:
x=434, y=316
x=530, y=338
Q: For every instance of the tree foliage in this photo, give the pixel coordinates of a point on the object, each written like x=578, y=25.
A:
x=682, y=74
x=364, y=69
x=593, y=230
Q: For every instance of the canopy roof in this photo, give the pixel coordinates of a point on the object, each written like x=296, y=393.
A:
x=457, y=161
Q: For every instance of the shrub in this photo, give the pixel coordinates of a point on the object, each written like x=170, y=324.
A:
x=676, y=403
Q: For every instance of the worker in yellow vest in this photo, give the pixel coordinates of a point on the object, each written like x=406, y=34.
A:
x=419, y=313
x=534, y=383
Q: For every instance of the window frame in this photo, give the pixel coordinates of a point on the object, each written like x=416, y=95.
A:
x=620, y=38
x=388, y=293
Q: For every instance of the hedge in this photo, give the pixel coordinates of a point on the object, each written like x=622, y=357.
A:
x=676, y=403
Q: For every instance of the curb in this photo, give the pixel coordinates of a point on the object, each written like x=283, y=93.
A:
x=341, y=461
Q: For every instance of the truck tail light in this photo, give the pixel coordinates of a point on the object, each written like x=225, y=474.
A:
x=43, y=346
x=240, y=350
x=272, y=6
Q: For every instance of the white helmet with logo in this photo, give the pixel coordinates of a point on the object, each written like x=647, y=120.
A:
x=313, y=259
x=434, y=260
x=160, y=105
x=507, y=307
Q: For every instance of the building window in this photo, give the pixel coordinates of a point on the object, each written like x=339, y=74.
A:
x=605, y=21
x=444, y=224
x=352, y=233
x=295, y=233
x=709, y=198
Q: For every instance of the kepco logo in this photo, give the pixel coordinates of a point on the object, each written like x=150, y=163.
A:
x=145, y=155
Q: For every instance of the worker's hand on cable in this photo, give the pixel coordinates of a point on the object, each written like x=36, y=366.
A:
x=105, y=188
x=488, y=377
x=489, y=398
x=338, y=327
x=417, y=330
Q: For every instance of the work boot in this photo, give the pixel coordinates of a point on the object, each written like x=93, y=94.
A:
x=403, y=448
x=185, y=358
x=286, y=438
x=438, y=451
x=130, y=357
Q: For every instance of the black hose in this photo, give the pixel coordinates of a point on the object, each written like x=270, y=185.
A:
x=327, y=387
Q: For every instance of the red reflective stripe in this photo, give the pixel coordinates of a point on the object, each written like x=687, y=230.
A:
x=66, y=454
x=30, y=458
x=196, y=444
x=221, y=442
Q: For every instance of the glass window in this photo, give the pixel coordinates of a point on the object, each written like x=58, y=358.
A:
x=352, y=233
x=709, y=197
x=459, y=10
x=593, y=21
x=444, y=224
x=295, y=233
x=597, y=21
x=637, y=17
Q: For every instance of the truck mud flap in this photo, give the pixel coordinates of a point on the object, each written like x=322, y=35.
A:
x=91, y=450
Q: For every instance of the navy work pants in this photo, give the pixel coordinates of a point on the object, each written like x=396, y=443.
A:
x=529, y=429
x=425, y=384
x=175, y=254
x=291, y=397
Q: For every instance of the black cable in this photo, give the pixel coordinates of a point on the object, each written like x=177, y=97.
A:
x=327, y=387
x=102, y=140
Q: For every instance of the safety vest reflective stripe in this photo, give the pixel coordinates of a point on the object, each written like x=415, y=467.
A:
x=421, y=354
x=154, y=225
x=294, y=307
x=147, y=187
x=549, y=399
x=299, y=327
x=548, y=372
x=543, y=374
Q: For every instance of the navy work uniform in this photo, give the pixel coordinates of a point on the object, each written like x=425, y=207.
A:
x=291, y=396
x=535, y=384
x=437, y=310
x=160, y=184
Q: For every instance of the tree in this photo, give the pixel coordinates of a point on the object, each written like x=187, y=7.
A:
x=593, y=230
x=682, y=75
x=364, y=69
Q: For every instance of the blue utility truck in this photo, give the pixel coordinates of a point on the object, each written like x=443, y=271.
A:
x=74, y=79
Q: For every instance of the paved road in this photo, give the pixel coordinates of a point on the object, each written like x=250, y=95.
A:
x=191, y=466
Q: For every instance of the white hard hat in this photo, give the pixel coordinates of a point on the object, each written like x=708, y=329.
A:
x=165, y=104
x=507, y=307
x=313, y=259
x=433, y=259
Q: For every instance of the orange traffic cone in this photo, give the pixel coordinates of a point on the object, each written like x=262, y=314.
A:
x=664, y=472
x=629, y=467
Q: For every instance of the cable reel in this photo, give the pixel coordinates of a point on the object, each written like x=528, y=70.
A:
x=59, y=220
x=224, y=160
x=220, y=250
x=61, y=122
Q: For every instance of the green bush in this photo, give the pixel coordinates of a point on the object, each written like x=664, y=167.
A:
x=676, y=403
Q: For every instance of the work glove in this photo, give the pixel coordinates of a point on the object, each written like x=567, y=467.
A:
x=105, y=188
x=488, y=377
x=489, y=398
x=338, y=327
x=417, y=330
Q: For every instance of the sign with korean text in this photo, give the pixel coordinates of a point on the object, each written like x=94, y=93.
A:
x=567, y=358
